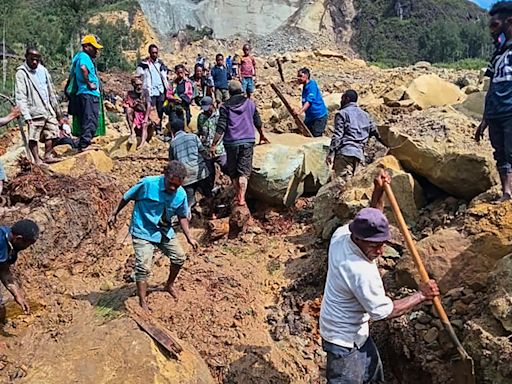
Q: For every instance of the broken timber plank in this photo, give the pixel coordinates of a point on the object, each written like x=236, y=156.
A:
x=154, y=329
x=298, y=121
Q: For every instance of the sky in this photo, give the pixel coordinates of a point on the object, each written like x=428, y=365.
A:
x=484, y=3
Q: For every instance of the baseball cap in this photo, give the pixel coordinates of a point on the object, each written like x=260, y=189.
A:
x=206, y=102
x=370, y=224
x=93, y=40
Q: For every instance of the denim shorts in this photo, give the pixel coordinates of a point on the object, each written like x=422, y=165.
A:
x=248, y=85
x=353, y=365
x=144, y=251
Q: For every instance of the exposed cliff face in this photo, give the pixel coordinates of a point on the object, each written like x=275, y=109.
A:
x=225, y=17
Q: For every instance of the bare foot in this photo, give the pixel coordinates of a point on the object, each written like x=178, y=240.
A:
x=51, y=160
x=170, y=289
x=144, y=305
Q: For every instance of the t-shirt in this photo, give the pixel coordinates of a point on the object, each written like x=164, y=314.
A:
x=498, y=101
x=354, y=294
x=187, y=148
x=206, y=129
x=152, y=201
x=220, y=77
x=82, y=58
x=7, y=253
x=247, y=66
x=311, y=94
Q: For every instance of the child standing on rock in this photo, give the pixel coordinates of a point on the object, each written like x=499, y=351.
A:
x=248, y=71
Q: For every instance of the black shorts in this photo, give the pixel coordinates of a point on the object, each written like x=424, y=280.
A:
x=317, y=126
x=239, y=159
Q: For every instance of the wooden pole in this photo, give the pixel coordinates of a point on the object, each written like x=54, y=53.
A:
x=305, y=131
x=280, y=69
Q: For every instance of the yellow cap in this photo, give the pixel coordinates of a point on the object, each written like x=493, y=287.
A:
x=93, y=40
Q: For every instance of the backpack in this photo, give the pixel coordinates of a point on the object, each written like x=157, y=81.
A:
x=70, y=90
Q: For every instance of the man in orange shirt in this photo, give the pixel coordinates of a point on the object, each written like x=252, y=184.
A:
x=247, y=71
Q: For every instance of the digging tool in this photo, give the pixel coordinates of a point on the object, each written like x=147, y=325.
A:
x=464, y=370
x=305, y=131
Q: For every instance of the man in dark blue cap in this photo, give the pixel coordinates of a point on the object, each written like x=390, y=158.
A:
x=354, y=294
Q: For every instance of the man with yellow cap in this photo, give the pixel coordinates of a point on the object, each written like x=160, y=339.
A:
x=86, y=90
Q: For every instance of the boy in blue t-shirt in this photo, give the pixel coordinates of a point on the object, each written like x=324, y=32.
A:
x=313, y=104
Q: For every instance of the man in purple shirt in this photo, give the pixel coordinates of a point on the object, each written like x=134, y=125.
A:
x=237, y=119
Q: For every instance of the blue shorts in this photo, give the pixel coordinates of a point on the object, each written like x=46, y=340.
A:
x=248, y=85
x=353, y=365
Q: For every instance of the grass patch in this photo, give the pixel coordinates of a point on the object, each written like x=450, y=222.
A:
x=470, y=64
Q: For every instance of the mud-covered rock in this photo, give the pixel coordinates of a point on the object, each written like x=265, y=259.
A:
x=501, y=300
x=283, y=169
x=82, y=163
x=430, y=90
x=461, y=170
x=117, y=351
x=337, y=200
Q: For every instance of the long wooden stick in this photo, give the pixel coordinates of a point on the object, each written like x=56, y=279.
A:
x=22, y=131
x=423, y=272
x=305, y=131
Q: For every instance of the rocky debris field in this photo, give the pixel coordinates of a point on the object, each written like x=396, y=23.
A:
x=249, y=305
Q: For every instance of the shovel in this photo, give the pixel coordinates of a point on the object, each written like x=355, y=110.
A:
x=464, y=367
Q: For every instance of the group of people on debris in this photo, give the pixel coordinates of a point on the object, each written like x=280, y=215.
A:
x=354, y=292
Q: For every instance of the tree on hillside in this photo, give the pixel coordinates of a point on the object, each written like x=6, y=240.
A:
x=442, y=43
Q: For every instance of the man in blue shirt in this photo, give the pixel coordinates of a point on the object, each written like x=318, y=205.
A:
x=498, y=101
x=157, y=200
x=14, y=239
x=88, y=89
x=220, y=76
x=313, y=104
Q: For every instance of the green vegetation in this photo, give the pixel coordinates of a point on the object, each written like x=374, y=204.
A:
x=398, y=32
x=473, y=64
x=55, y=28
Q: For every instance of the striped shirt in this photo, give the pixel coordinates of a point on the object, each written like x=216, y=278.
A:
x=188, y=149
x=498, y=102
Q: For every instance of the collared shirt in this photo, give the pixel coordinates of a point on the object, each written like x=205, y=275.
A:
x=7, y=253
x=154, y=208
x=187, y=148
x=157, y=85
x=206, y=129
x=82, y=58
x=311, y=94
x=42, y=80
x=354, y=294
x=352, y=129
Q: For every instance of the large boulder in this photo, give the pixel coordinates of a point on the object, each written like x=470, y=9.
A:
x=283, y=169
x=338, y=202
x=470, y=250
x=473, y=106
x=333, y=101
x=82, y=163
x=114, y=352
x=430, y=90
x=439, y=147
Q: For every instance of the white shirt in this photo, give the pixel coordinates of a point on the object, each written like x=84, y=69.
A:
x=354, y=294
